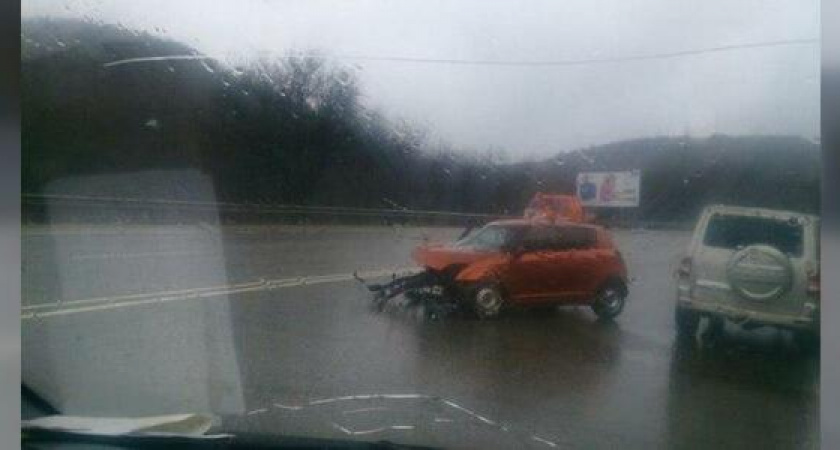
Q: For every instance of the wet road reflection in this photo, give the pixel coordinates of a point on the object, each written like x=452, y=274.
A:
x=743, y=390
x=558, y=374
x=554, y=375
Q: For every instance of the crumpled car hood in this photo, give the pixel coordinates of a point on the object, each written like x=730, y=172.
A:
x=439, y=257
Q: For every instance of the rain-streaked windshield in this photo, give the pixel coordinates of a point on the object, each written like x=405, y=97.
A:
x=465, y=224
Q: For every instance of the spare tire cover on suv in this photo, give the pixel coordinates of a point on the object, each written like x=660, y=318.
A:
x=759, y=272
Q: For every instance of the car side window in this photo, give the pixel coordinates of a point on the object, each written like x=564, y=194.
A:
x=559, y=239
x=541, y=239
x=576, y=238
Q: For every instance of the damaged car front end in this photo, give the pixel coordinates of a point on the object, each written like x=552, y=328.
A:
x=451, y=272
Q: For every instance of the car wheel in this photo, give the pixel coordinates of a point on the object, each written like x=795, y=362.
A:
x=687, y=322
x=609, y=302
x=488, y=301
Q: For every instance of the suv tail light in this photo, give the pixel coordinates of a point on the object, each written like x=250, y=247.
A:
x=684, y=270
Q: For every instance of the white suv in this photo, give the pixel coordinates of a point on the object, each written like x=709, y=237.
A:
x=754, y=267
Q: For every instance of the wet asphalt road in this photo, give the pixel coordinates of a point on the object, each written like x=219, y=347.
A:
x=528, y=380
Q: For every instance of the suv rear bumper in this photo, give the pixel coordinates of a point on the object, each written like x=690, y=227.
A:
x=808, y=320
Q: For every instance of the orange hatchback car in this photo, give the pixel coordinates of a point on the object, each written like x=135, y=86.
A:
x=526, y=263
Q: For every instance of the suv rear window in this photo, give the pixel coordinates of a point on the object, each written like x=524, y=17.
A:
x=732, y=232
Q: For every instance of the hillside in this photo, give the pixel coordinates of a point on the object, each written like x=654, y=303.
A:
x=680, y=174
x=296, y=131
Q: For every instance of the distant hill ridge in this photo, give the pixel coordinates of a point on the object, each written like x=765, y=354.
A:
x=296, y=131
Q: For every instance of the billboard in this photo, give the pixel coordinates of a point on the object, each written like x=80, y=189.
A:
x=615, y=189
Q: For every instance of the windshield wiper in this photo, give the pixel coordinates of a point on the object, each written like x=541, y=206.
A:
x=34, y=406
x=234, y=442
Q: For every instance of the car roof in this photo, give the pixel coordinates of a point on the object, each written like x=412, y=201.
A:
x=557, y=196
x=530, y=223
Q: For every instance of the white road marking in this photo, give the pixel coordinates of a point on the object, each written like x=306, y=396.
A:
x=287, y=407
x=105, y=303
x=141, y=295
x=105, y=306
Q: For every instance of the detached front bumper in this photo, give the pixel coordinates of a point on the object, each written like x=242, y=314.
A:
x=808, y=319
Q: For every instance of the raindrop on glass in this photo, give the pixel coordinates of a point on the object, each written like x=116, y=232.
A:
x=207, y=67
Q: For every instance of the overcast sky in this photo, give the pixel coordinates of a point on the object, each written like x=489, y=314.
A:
x=530, y=112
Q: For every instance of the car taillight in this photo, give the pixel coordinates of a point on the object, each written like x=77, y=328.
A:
x=684, y=270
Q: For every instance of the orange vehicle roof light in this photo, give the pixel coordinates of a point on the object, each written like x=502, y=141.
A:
x=555, y=208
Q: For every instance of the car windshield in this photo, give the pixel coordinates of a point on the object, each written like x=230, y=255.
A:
x=736, y=232
x=454, y=224
x=491, y=237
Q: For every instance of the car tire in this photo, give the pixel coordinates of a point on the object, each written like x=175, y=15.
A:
x=487, y=301
x=609, y=301
x=687, y=322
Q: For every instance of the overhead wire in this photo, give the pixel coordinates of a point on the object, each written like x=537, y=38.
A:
x=502, y=62
x=586, y=61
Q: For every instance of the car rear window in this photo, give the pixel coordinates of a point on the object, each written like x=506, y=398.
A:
x=733, y=232
x=577, y=238
x=560, y=238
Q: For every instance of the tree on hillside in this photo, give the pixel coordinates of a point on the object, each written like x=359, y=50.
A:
x=295, y=130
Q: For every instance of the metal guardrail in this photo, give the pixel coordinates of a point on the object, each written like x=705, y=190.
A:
x=229, y=207
x=285, y=211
